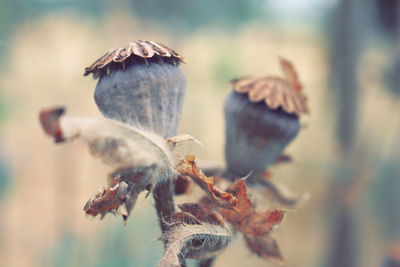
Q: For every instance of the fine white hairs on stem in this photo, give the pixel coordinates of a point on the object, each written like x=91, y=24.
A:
x=195, y=241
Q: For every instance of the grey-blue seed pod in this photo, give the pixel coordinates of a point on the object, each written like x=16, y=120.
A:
x=141, y=85
x=261, y=119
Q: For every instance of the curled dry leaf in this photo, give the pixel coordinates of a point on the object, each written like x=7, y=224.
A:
x=196, y=232
x=108, y=200
x=264, y=246
x=139, y=158
x=221, y=198
x=275, y=91
x=134, y=52
x=245, y=218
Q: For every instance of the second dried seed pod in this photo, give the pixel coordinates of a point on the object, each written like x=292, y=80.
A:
x=262, y=118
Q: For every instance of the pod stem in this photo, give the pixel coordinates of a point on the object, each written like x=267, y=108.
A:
x=165, y=206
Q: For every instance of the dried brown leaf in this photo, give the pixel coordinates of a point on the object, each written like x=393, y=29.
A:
x=245, y=218
x=221, y=198
x=109, y=200
x=264, y=246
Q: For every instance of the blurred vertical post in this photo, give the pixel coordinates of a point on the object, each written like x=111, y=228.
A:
x=388, y=179
x=343, y=247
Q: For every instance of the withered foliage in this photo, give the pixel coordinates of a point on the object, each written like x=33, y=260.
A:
x=221, y=198
x=245, y=218
x=265, y=246
x=275, y=91
x=255, y=226
x=107, y=200
x=135, y=51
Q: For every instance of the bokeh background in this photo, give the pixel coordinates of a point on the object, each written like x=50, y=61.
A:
x=347, y=154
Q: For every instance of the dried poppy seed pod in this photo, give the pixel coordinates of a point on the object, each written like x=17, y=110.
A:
x=141, y=84
x=262, y=118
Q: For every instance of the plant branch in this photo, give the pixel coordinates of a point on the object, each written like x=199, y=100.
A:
x=164, y=203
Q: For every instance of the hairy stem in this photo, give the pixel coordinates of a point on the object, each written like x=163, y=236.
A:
x=164, y=201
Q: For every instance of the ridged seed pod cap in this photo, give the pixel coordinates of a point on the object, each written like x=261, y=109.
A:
x=262, y=118
x=141, y=84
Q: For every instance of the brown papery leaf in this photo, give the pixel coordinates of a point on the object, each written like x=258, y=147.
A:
x=246, y=219
x=264, y=246
x=109, y=200
x=221, y=198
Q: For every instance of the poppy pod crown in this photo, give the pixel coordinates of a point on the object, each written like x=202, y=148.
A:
x=262, y=118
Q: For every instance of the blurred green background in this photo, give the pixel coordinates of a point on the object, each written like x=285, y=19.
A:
x=347, y=154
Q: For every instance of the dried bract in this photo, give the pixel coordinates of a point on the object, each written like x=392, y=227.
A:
x=221, y=198
x=246, y=219
x=108, y=200
x=264, y=246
